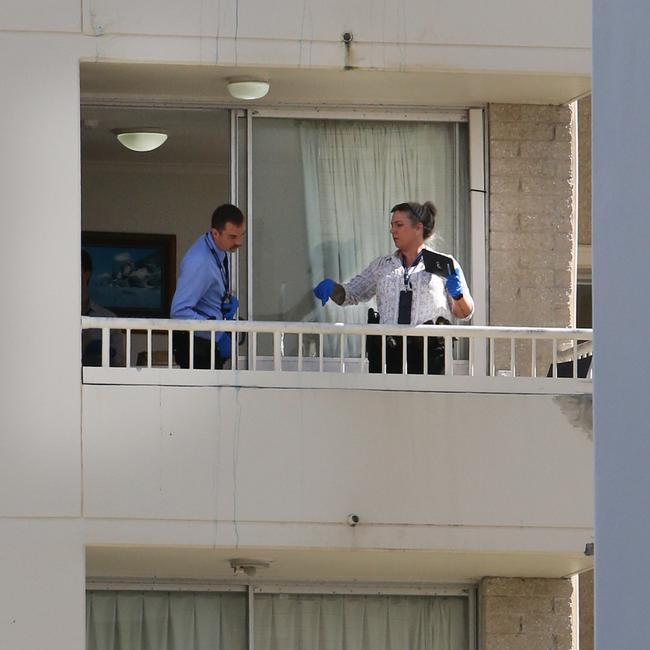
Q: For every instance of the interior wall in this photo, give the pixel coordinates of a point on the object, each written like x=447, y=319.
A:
x=146, y=199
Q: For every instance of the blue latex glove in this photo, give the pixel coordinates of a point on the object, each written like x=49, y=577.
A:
x=223, y=345
x=454, y=284
x=229, y=309
x=323, y=290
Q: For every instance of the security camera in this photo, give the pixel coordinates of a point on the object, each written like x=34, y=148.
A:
x=353, y=520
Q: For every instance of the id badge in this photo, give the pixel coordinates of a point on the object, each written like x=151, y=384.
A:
x=404, y=308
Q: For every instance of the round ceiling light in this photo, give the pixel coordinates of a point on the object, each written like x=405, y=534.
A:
x=141, y=140
x=248, y=88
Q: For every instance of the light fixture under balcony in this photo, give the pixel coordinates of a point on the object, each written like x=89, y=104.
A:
x=248, y=88
x=140, y=139
x=247, y=566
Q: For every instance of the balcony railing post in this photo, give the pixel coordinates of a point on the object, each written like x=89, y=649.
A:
x=449, y=355
x=470, y=345
x=492, y=371
x=277, y=350
x=533, y=361
x=425, y=361
x=321, y=353
x=128, y=348
x=106, y=347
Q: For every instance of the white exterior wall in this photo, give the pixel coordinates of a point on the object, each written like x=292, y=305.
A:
x=286, y=466
x=41, y=546
x=621, y=230
x=42, y=587
x=462, y=35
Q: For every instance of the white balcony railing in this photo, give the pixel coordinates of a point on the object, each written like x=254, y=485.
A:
x=285, y=354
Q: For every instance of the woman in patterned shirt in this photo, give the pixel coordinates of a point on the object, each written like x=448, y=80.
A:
x=415, y=285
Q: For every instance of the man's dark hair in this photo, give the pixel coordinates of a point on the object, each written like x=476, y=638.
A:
x=227, y=213
x=86, y=261
x=424, y=213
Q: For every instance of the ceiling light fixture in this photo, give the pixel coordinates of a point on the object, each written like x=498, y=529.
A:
x=247, y=566
x=140, y=139
x=248, y=88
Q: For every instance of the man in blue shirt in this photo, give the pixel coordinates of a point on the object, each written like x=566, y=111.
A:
x=203, y=287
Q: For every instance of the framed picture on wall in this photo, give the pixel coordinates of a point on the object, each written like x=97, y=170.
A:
x=133, y=275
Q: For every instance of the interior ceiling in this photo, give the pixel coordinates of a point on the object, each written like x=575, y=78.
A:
x=184, y=100
x=211, y=564
x=195, y=136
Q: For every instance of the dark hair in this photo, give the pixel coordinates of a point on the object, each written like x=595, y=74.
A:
x=227, y=213
x=86, y=261
x=424, y=213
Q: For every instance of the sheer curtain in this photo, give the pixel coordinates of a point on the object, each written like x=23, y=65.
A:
x=134, y=620
x=315, y=622
x=354, y=172
x=131, y=620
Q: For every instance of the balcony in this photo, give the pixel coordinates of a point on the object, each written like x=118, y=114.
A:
x=477, y=359
x=490, y=463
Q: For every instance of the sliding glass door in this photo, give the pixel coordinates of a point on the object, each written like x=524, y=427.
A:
x=320, y=192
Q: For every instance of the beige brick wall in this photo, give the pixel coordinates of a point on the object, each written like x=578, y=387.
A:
x=584, y=171
x=531, y=223
x=525, y=614
x=586, y=610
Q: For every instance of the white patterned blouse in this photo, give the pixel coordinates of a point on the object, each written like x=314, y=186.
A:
x=384, y=277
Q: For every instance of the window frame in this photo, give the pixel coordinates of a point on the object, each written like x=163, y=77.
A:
x=242, y=185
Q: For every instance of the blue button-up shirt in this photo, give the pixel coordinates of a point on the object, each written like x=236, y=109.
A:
x=201, y=286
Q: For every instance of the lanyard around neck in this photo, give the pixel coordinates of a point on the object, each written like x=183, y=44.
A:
x=408, y=271
x=223, y=266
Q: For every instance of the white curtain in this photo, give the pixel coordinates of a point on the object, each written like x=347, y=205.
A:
x=354, y=172
x=315, y=622
x=129, y=620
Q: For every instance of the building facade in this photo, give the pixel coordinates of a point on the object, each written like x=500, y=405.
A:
x=150, y=489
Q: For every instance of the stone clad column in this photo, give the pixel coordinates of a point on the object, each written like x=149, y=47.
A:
x=525, y=614
x=532, y=225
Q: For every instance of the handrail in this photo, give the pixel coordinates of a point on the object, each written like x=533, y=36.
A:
x=290, y=327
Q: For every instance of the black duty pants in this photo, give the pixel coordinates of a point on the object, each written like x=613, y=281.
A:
x=181, y=343
x=414, y=355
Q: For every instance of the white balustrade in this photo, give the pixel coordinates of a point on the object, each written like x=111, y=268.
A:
x=508, y=359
